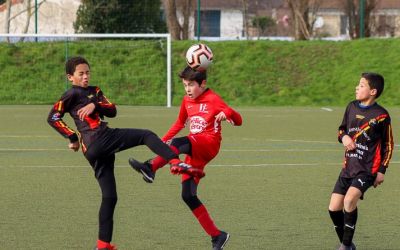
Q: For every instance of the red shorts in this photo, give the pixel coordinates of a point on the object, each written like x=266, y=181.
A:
x=204, y=149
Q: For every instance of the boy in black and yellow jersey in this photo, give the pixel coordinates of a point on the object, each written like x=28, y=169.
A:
x=366, y=135
x=87, y=106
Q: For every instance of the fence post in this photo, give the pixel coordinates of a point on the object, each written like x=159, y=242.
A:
x=198, y=20
x=362, y=13
x=36, y=20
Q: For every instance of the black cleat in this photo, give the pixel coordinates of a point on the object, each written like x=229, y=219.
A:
x=218, y=242
x=143, y=168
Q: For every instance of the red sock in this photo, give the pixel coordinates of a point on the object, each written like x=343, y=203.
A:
x=102, y=244
x=159, y=162
x=205, y=221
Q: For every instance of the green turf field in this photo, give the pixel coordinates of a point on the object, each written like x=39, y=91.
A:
x=269, y=187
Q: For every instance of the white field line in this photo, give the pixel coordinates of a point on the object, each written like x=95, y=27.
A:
x=28, y=136
x=211, y=165
x=283, y=140
x=242, y=138
x=222, y=150
x=31, y=149
x=327, y=109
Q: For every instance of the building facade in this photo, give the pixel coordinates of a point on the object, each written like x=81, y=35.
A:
x=219, y=19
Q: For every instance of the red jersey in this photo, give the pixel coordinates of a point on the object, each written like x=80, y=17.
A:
x=199, y=114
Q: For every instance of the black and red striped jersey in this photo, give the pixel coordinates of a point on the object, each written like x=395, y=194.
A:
x=370, y=128
x=70, y=102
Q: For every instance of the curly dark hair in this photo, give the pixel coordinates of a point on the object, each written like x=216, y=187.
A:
x=72, y=62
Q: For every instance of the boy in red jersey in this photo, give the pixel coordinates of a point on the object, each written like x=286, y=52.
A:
x=204, y=111
x=366, y=134
x=87, y=106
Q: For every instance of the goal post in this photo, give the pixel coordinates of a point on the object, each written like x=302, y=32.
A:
x=134, y=68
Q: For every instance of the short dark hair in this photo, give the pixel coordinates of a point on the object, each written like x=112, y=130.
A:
x=192, y=75
x=375, y=81
x=72, y=62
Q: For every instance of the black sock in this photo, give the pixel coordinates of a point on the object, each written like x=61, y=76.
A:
x=338, y=221
x=350, y=220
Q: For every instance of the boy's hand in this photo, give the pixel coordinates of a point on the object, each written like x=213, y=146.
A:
x=348, y=143
x=85, y=111
x=379, y=179
x=220, y=117
x=74, y=146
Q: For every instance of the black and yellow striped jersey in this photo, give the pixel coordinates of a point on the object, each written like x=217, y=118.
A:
x=370, y=128
x=71, y=101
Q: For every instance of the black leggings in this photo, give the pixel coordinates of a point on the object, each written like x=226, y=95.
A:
x=101, y=156
x=189, y=187
x=115, y=140
x=182, y=144
x=189, y=194
x=109, y=199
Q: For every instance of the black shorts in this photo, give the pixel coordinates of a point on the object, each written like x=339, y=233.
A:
x=361, y=182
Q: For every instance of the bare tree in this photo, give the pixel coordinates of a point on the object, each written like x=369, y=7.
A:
x=28, y=17
x=7, y=20
x=28, y=9
x=352, y=11
x=178, y=31
x=304, y=14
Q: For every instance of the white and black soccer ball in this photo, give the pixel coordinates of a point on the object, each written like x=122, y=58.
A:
x=199, y=57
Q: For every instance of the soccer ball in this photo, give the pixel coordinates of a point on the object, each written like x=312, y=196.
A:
x=199, y=57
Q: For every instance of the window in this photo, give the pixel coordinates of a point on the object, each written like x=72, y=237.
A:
x=386, y=25
x=210, y=22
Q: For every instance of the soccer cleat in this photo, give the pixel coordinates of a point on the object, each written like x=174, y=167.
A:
x=112, y=247
x=101, y=245
x=344, y=247
x=143, y=168
x=219, y=242
x=179, y=167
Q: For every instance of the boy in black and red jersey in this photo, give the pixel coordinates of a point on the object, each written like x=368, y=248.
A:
x=87, y=106
x=203, y=110
x=366, y=134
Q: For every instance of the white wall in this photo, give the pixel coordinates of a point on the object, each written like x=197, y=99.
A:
x=231, y=24
x=54, y=17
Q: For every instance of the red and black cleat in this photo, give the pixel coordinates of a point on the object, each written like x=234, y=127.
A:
x=101, y=245
x=178, y=167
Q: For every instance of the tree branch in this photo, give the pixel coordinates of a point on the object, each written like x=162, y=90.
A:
x=29, y=10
